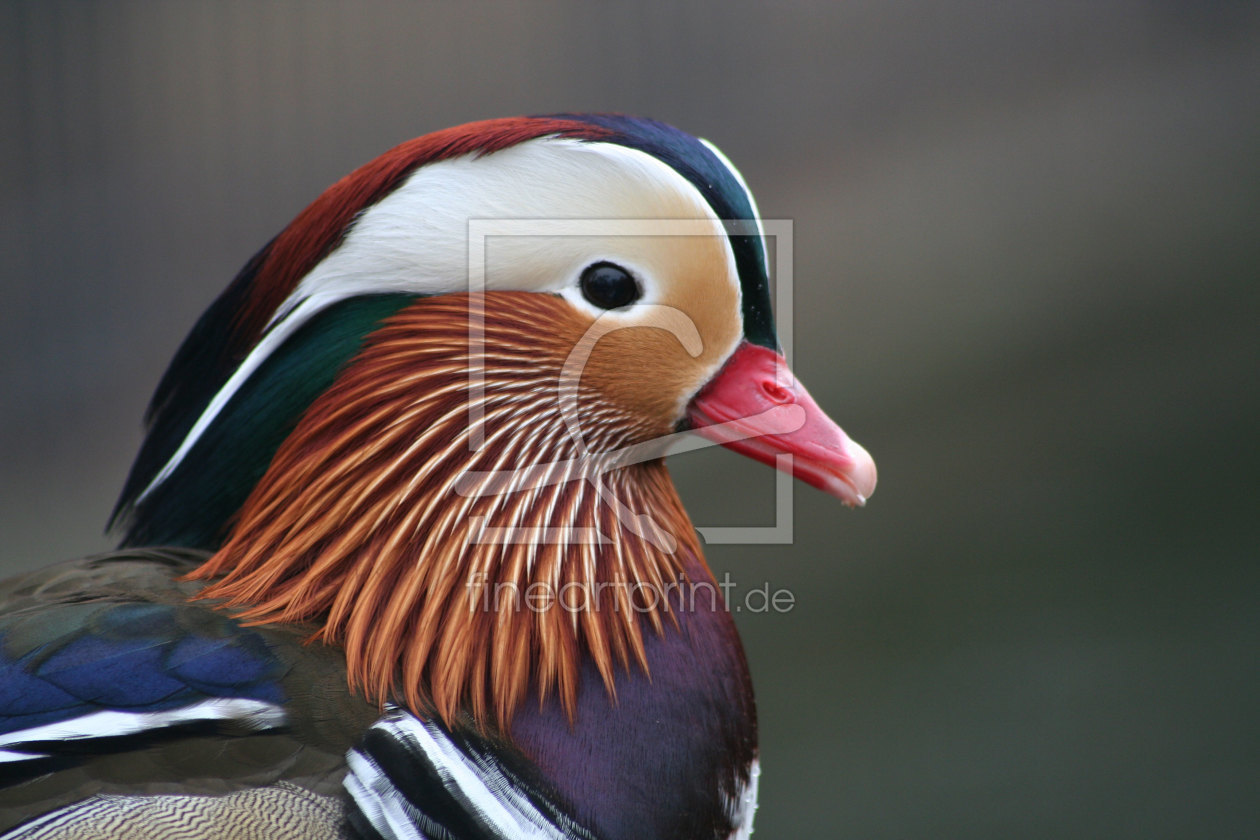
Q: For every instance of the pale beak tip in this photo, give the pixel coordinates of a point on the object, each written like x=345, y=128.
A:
x=863, y=473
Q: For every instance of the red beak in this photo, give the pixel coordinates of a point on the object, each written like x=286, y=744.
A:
x=756, y=407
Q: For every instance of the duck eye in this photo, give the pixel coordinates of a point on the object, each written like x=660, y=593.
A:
x=609, y=286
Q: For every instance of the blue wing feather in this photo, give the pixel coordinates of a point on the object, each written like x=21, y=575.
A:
x=127, y=656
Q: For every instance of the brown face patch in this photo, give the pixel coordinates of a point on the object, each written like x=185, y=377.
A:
x=457, y=559
x=652, y=357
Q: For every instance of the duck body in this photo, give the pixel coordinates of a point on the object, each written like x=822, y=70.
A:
x=400, y=556
x=125, y=701
x=117, y=634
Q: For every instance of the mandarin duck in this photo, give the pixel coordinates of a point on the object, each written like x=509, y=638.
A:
x=400, y=557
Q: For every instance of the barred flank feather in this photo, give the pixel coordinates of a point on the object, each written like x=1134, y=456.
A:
x=279, y=810
x=372, y=520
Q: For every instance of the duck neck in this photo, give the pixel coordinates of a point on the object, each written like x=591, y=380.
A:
x=461, y=563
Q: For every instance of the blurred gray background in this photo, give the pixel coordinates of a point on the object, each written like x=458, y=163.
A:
x=1027, y=248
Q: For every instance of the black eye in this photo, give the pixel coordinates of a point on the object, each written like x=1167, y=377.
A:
x=609, y=286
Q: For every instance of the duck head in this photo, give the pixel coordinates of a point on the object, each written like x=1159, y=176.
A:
x=448, y=385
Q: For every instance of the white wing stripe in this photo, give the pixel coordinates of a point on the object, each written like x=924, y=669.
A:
x=253, y=714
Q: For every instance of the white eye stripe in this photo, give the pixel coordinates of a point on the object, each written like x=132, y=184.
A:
x=415, y=240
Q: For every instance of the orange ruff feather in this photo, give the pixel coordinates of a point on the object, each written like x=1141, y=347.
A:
x=365, y=523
